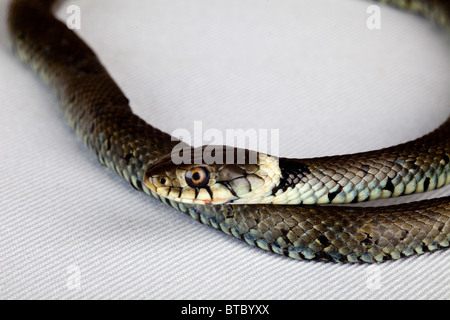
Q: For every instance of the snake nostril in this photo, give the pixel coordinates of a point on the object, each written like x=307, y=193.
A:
x=163, y=181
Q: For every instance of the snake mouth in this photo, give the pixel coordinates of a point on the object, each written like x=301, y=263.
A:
x=172, y=183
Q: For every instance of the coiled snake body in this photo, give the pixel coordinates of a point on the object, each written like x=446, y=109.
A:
x=263, y=200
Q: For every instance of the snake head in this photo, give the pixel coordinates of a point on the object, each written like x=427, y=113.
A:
x=213, y=175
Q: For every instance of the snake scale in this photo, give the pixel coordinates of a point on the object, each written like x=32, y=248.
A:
x=267, y=202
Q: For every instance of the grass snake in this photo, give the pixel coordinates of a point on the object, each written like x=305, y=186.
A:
x=269, y=202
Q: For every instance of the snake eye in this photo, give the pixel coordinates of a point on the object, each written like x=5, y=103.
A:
x=197, y=177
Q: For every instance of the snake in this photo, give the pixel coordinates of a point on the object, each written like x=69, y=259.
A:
x=297, y=208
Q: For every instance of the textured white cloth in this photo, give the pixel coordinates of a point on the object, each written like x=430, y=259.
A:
x=71, y=228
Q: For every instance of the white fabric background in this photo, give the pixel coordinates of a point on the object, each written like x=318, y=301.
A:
x=309, y=68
